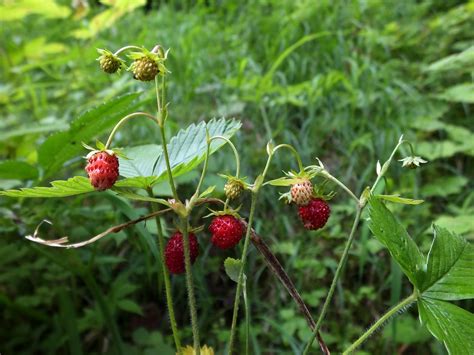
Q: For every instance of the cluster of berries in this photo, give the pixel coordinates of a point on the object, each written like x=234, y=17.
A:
x=314, y=211
x=227, y=231
x=226, y=228
x=145, y=67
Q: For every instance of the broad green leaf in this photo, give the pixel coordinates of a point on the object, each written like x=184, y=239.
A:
x=459, y=93
x=130, y=194
x=394, y=236
x=450, y=268
x=138, y=182
x=60, y=188
x=140, y=160
x=232, y=268
x=188, y=148
x=448, y=323
x=11, y=169
x=398, y=199
x=62, y=146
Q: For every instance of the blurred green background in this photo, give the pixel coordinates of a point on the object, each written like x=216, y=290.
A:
x=374, y=70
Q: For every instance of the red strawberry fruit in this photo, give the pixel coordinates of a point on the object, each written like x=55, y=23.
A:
x=226, y=231
x=174, y=252
x=315, y=214
x=103, y=170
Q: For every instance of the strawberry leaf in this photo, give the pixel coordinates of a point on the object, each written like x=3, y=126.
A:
x=63, y=146
x=60, y=188
x=448, y=323
x=74, y=186
x=232, y=268
x=188, y=148
x=186, y=151
x=394, y=236
x=450, y=268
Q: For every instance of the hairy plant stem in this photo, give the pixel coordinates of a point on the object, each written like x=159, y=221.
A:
x=360, y=206
x=241, y=272
x=392, y=312
x=122, y=121
x=190, y=286
x=166, y=275
x=339, y=269
x=126, y=48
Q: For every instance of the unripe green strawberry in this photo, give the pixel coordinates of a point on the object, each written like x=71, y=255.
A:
x=145, y=68
x=109, y=63
x=302, y=192
x=233, y=188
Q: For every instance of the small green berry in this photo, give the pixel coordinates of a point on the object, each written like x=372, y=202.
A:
x=233, y=188
x=110, y=63
x=145, y=69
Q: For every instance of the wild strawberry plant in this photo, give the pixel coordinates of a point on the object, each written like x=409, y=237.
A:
x=445, y=274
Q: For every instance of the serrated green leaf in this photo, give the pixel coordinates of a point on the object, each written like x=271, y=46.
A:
x=62, y=146
x=398, y=199
x=232, y=268
x=448, y=323
x=142, y=182
x=450, y=268
x=188, y=148
x=140, y=160
x=60, y=188
x=394, y=236
x=13, y=169
x=130, y=194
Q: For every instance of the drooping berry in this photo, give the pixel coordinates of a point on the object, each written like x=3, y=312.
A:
x=226, y=231
x=174, y=252
x=109, y=62
x=233, y=188
x=103, y=170
x=301, y=192
x=315, y=214
x=145, y=68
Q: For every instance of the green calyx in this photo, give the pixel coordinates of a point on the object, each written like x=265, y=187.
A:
x=226, y=211
x=100, y=147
